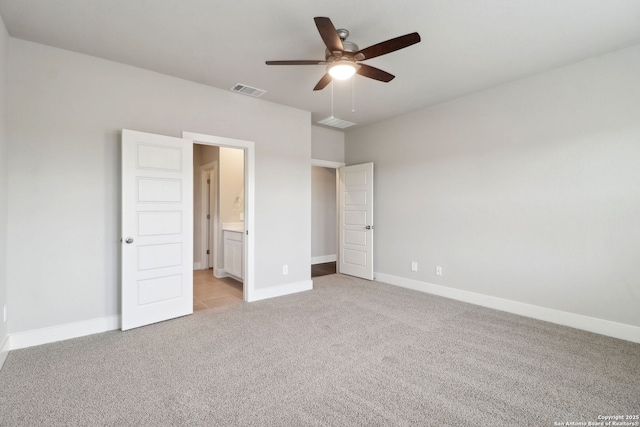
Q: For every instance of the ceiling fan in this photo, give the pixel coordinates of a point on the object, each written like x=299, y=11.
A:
x=343, y=57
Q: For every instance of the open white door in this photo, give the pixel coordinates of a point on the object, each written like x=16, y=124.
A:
x=356, y=221
x=157, y=228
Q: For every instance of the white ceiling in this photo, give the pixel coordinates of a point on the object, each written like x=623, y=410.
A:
x=467, y=45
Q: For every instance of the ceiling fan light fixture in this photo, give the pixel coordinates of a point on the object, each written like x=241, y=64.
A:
x=342, y=70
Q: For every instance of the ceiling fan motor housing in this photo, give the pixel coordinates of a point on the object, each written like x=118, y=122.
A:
x=342, y=33
x=348, y=48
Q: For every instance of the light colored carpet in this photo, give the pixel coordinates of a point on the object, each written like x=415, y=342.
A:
x=348, y=353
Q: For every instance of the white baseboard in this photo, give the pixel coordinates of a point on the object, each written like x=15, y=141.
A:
x=219, y=273
x=323, y=258
x=578, y=321
x=63, y=332
x=4, y=350
x=197, y=266
x=280, y=290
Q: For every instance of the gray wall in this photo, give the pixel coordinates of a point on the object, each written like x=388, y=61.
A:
x=231, y=184
x=4, y=42
x=66, y=111
x=327, y=144
x=323, y=212
x=529, y=191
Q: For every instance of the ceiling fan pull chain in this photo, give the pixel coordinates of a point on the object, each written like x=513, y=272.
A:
x=353, y=94
x=331, y=98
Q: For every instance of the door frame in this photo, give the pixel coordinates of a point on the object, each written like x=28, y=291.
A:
x=248, y=287
x=209, y=230
x=333, y=165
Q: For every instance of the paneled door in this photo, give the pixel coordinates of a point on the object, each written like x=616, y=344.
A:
x=157, y=228
x=356, y=221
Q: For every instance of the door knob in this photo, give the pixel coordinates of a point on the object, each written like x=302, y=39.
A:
x=129, y=240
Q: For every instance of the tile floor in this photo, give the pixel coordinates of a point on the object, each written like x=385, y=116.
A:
x=210, y=292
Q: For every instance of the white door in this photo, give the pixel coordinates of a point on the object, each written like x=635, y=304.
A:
x=356, y=221
x=157, y=228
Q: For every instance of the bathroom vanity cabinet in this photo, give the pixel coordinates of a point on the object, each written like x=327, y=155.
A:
x=233, y=253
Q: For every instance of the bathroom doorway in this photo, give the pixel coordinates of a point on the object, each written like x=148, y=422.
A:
x=219, y=209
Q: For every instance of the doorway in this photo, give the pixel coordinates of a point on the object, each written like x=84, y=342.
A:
x=324, y=217
x=219, y=189
x=354, y=219
x=235, y=214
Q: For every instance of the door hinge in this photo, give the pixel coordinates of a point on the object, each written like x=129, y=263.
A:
x=208, y=181
x=208, y=216
x=207, y=251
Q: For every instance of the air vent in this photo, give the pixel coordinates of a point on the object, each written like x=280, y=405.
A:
x=336, y=123
x=248, y=90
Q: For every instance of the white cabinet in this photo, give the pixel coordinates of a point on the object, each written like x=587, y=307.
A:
x=233, y=253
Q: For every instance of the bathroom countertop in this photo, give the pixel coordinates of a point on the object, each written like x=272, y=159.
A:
x=233, y=226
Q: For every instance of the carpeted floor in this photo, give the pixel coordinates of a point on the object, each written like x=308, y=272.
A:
x=348, y=353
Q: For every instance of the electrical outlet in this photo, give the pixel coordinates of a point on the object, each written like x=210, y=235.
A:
x=285, y=269
x=414, y=266
x=438, y=270
x=4, y=315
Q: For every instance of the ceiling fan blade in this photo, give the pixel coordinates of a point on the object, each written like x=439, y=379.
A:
x=329, y=34
x=389, y=46
x=374, y=73
x=324, y=81
x=297, y=62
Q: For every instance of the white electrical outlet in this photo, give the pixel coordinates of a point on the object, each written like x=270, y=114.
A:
x=438, y=270
x=414, y=266
x=285, y=269
x=4, y=315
